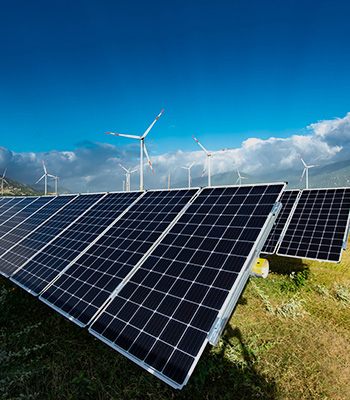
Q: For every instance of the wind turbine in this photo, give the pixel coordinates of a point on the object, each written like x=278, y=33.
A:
x=56, y=178
x=306, y=169
x=142, y=149
x=44, y=176
x=2, y=182
x=207, y=160
x=240, y=177
x=128, y=173
x=189, y=172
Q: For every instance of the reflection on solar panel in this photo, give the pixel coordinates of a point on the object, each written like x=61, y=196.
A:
x=28, y=207
x=81, y=290
x=182, y=295
x=38, y=272
x=5, y=204
x=15, y=257
x=12, y=209
x=288, y=200
x=318, y=226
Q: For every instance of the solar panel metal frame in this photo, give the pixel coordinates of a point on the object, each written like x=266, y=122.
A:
x=74, y=196
x=226, y=309
x=287, y=221
x=345, y=237
x=20, y=198
x=80, y=254
x=68, y=316
x=3, y=207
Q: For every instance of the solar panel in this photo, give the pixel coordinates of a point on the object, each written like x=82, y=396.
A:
x=28, y=207
x=319, y=225
x=16, y=256
x=288, y=201
x=12, y=209
x=183, y=294
x=5, y=204
x=85, y=286
x=38, y=272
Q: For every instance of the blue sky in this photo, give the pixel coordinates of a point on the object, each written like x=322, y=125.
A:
x=224, y=71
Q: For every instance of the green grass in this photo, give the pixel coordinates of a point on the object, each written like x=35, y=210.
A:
x=289, y=338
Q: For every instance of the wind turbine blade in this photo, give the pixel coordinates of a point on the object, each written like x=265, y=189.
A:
x=134, y=170
x=129, y=136
x=150, y=127
x=4, y=180
x=123, y=167
x=302, y=160
x=192, y=164
x=237, y=181
x=180, y=166
x=44, y=167
x=40, y=179
x=220, y=151
x=149, y=161
x=205, y=166
x=302, y=176
x=206, y=152
x=4, y=173
x=312, y=166
x=52, y=176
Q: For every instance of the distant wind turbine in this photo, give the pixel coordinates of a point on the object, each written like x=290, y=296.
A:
x=128, y=173
x=240, y=177
x=56, y=178
x=2, y=182
x=207, y=160
x=306, y=169
x=189, y=172
x=143, y=147
x=44, y=176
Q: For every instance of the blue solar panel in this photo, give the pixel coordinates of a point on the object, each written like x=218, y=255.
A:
x=38, y=272
x=6, y=204
x=81, y=290
x=18, y=254
x=13, y=207
x=184, y=292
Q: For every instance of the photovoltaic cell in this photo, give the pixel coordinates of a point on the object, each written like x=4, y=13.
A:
x=162, y=316
x=318, y=226
x=13, y=208
x=5, y=204
x=82, y=289
x=38, y=272
x=288, y=199
x=29, y=207
x=17, y=255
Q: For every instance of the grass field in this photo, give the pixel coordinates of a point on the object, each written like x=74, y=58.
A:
x=289, y=338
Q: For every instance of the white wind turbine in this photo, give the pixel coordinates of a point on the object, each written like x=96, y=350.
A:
x=128, y=173
x=207, y=160
x=240, y=177
x=143, y=147
x=306, y=169
x=56, y=178
x=44, y=176
x=2, y=182
x=189, y=172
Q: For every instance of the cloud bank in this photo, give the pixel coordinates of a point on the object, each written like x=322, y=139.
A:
x=94, y=166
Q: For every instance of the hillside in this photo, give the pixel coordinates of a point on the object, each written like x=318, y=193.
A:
x=14, y=188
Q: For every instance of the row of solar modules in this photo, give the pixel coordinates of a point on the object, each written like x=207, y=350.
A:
x=155, y=274
x=313, y=224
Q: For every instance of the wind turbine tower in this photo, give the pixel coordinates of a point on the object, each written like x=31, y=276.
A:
x=306, y=169
x=142, y=147
x=240, y=177
x=2, y=182
x=56, y=178
x=44, y=176
x=128, y=173
x=207, y=160
x=189, y=172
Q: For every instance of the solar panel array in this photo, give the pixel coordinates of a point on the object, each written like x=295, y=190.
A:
x=288, y=200
x=319, y=225
x=157, y=274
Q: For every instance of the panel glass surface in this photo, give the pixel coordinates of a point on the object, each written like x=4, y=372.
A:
x=15, y=257
x=36, y=274
x=288, y=199
x=29, y=206
x=162, y=316
x=5, y=204
x=13, y=208
x=318, y=226
x=86, y=285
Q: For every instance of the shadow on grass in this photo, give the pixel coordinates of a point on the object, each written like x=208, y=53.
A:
x=286, y=265
x=230, y=373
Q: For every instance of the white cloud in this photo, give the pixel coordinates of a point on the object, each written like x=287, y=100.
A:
x=94, y=166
